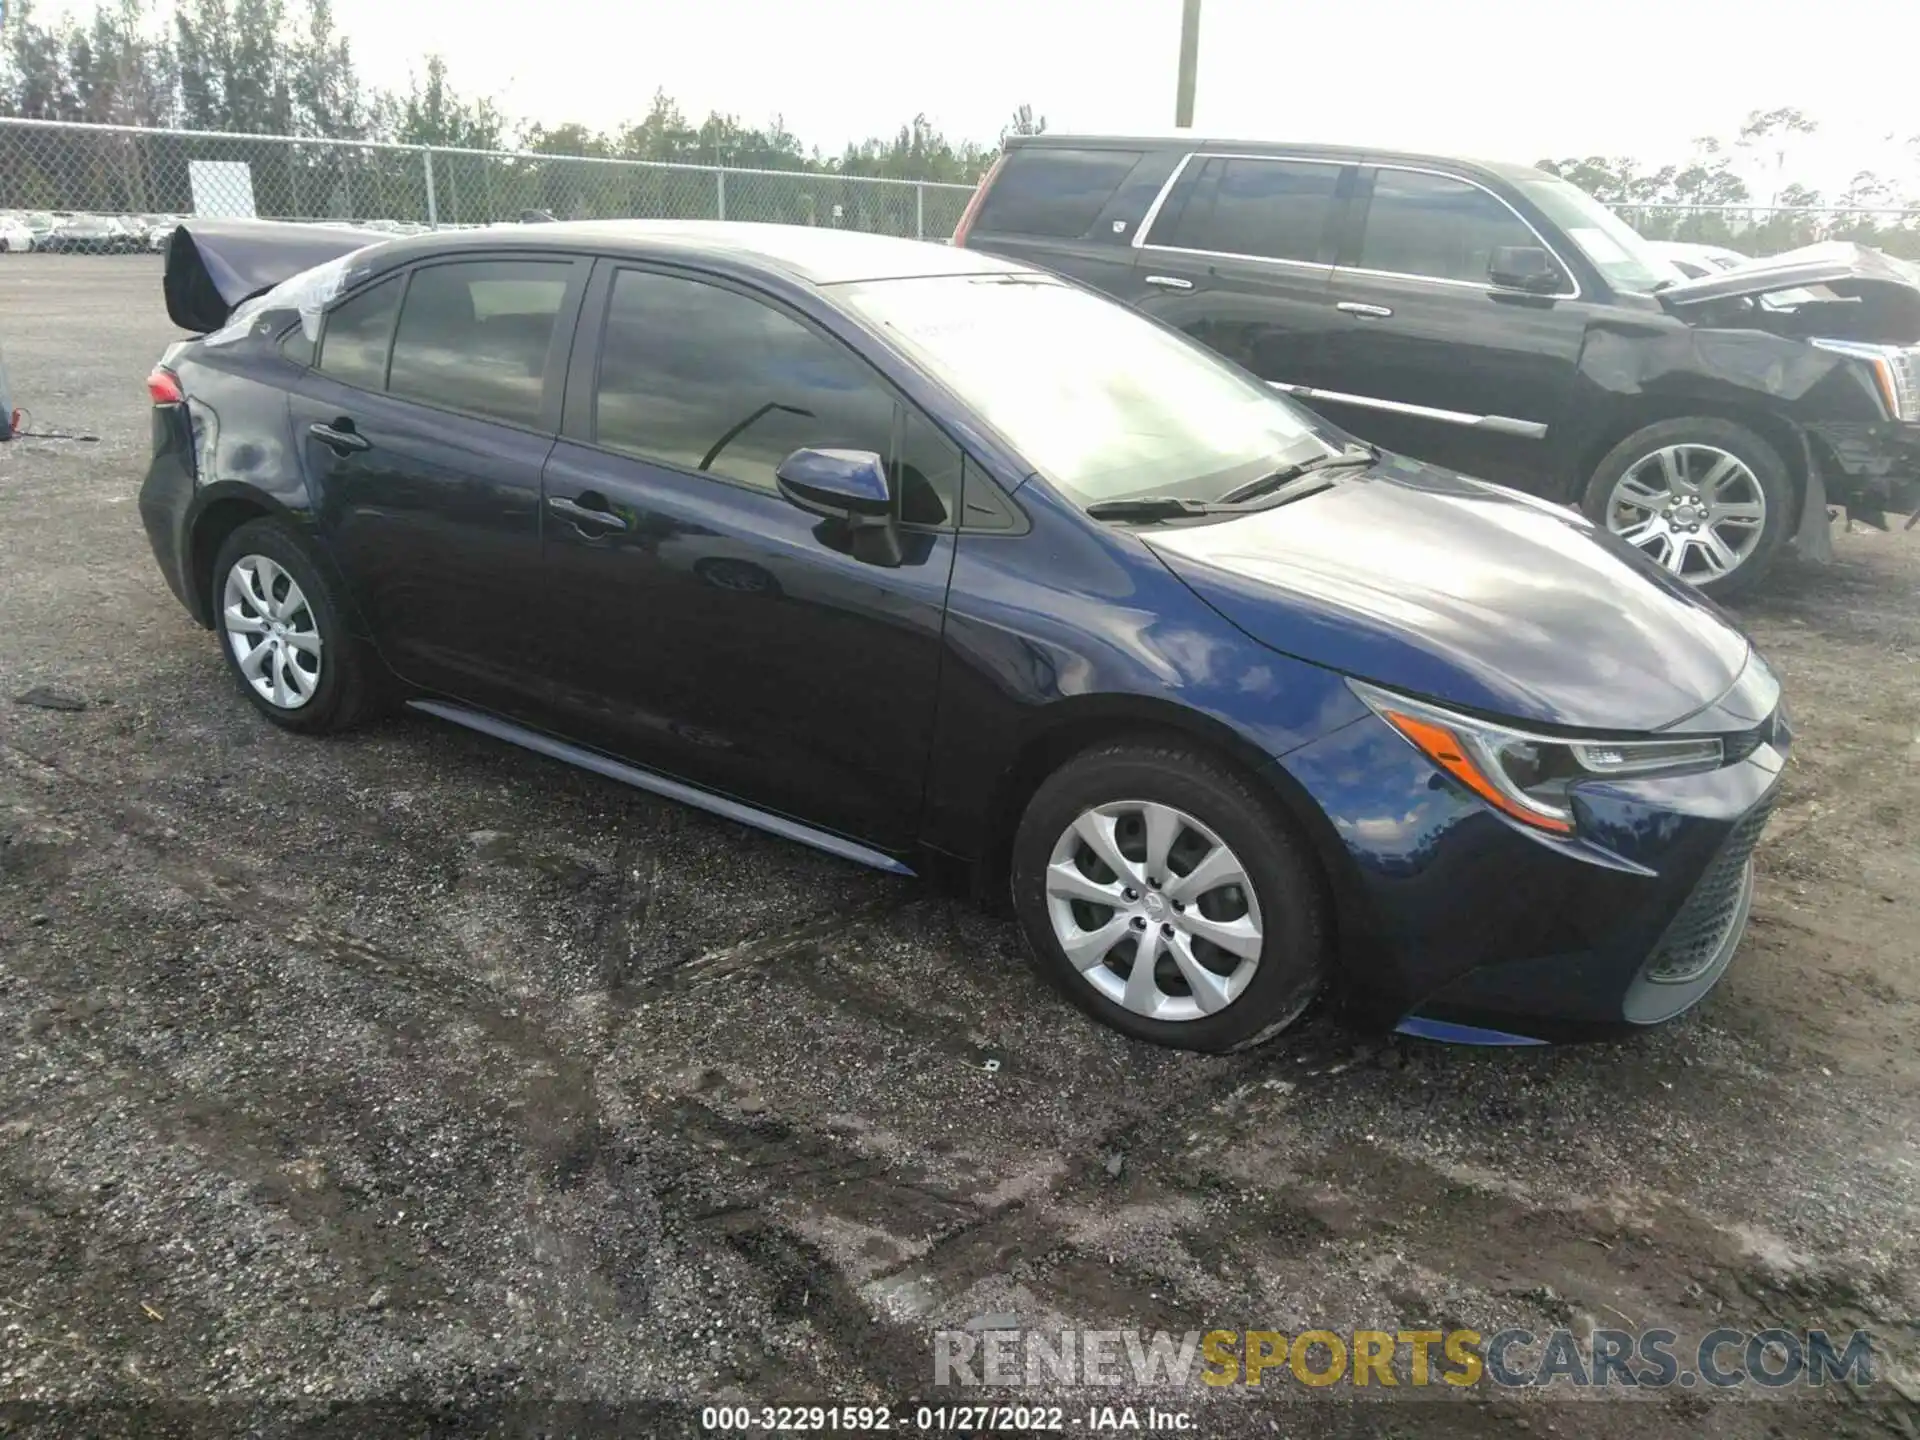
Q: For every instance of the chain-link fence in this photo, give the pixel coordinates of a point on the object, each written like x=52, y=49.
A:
x=107, y=187
x=1772, y=229
x=141, y=180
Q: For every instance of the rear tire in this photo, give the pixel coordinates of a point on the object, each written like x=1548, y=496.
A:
x=1236, y=918
x=283, y=633
x=1694, y=494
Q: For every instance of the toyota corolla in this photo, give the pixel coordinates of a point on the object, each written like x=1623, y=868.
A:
x=934, y=561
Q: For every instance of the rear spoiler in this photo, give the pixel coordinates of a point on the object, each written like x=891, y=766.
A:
x=215, y=265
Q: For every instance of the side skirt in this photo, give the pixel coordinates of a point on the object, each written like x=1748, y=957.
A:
x=640, y=779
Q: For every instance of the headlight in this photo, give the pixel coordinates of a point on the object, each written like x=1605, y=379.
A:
x=1892, y=368
x=1527, y=776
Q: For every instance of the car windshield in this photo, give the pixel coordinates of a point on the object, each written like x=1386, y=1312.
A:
x=1617, y=250
x=1104, y=403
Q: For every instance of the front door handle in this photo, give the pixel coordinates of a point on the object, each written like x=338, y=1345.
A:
x=340, y=436
x=586, y=514
x=1371, y=312
x=1169, y=282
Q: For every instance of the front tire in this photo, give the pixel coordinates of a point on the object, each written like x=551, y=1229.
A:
x=1706, y=499
x=283, y=633
x=1155, y=851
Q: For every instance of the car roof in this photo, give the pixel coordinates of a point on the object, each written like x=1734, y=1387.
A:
x=814, y=254
x=1359, y=154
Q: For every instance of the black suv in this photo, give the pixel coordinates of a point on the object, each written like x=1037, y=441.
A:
x=1498, y=320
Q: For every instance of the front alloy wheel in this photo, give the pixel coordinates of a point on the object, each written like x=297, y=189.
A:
x=1696, y=509
x=1154, y=911
x=272, y=631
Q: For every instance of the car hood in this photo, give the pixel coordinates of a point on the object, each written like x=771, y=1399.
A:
x=215, y=265
x=1466, y=593
x=1847, y=270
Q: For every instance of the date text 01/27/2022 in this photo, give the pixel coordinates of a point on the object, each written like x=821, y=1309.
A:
x=939, y=1419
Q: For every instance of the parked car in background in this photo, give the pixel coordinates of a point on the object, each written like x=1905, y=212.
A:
x=15, y=233
x=1697, y=261
x=925, y=557
x=90, y=235
x=1501, y=321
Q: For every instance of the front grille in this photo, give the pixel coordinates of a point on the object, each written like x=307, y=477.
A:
x=1694, y=940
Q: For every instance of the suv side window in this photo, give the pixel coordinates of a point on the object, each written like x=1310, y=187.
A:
x=1276, y=209
x=708, y=379
x=1436, y=226
x=474, y=336
x=1051, y=192
x=353, y=348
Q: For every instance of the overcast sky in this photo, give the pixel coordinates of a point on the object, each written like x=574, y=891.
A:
x=1507, y=79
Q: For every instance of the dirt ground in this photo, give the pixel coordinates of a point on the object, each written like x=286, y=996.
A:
x=409, y=1083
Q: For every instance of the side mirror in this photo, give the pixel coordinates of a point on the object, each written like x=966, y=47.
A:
x=1526, y=268
x=848, y=485
x=849, y=489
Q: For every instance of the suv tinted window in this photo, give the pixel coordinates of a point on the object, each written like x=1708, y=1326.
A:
x=712, y=380
x=1278, y=209
x=1420, y=224
x=354, y=346
x=1053, y=192
x=474, y=336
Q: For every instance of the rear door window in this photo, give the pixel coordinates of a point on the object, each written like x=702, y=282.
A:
x=1436, y=226
x=1274, y=209
x=354, y=348
x=475, y=335
x=1052, y=192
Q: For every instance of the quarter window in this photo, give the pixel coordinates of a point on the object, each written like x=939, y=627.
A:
x=1278, y=209
x=1434, y=225
x=708, y=379
x=474, y=336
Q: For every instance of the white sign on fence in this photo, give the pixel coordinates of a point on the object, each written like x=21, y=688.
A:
x=222, y=188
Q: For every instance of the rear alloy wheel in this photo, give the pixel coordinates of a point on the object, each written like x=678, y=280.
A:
x=1168, y=899
x=283, y=635
x=1705, y=499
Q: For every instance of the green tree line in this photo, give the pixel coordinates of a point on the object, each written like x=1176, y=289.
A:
x=1712, y=175
x=281, y=67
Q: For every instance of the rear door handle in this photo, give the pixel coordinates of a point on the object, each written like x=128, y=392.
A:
x=340, y=436
x=1169, y=282
x=1372, y=312
x=586, y=514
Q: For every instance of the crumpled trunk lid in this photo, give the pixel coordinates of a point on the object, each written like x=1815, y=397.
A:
x=213, y=266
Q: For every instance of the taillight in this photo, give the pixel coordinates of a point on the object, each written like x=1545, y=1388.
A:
x=164, y=386
x=973, y=205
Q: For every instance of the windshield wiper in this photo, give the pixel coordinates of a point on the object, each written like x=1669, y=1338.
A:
x=1287, y=474
x=1160, y=507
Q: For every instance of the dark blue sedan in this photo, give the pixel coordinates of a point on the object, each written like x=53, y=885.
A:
x=936, y=562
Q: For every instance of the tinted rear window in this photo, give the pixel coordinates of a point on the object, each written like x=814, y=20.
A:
x=474, y=336
x=1278, y=209
x=1056, y=193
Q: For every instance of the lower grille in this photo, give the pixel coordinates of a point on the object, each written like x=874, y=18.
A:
x=1695, y=938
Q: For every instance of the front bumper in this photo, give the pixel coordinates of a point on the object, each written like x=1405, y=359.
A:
x=1460, y=924
x=1871, y=468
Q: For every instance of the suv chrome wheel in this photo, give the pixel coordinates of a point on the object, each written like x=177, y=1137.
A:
x=272, y=631
x=1696, y=509
x=1154, y=911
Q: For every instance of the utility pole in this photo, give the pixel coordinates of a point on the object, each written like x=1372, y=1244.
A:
x=1189, y=64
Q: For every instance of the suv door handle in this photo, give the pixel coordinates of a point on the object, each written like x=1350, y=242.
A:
x=586, y=514
x=1169, y=282
x=340, y=436
x=1372, y=312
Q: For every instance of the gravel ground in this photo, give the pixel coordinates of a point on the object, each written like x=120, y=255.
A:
x=407, y=1081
